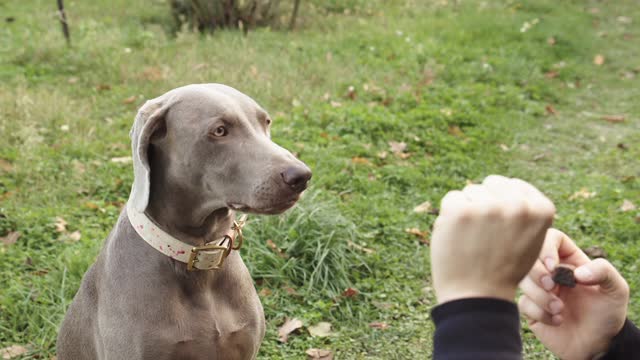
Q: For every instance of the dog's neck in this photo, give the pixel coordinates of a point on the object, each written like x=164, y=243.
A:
x=183, y=213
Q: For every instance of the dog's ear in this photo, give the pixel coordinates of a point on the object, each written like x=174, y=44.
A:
x=149, y=124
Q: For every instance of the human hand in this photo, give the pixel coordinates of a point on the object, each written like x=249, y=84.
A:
x=487, y=237
x=573, y=323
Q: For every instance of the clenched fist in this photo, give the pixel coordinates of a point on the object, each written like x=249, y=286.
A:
x=487, y=237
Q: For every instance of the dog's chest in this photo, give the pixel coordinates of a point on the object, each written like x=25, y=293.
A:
x=210, y=329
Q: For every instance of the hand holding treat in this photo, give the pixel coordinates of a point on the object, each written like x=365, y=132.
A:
x=487, y=237
x=579, y=321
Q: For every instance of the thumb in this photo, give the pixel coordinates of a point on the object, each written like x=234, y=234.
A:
x=601, y=272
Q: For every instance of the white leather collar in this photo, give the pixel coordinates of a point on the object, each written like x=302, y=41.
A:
x=209, y=256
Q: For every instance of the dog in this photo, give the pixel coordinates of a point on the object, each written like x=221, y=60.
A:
x=169, y=282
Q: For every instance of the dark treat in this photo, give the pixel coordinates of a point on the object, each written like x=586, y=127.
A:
x=563, y=276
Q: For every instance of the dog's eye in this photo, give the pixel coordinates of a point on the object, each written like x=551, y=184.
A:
x=219, y=131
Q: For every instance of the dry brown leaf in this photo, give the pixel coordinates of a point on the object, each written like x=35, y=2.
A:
x=397, y=147
x=11, y=238
x=152, y=73
x=350, y=292
x=319, y=354
x=6, y=165
x=550, y=110
x=130, y=99
x=404, y=156
x=351, y=93
x=598, y=59
x=103, y=87
x=551, y=74
x=61, y=224
x=287, y=328
x=72, y=80
x=360, y=160
x=582, y=194
x=90, y=205
x=275, y=248
x=75, y=236
x=455, y=131
x=361, y=248
x=627, y=205
x=379, y=325
x=551, y=40
x=122, y=160
x=13, y=351
x=265, y=292
x=289, y=290
x=595, y=252
x=614, y=118
x=422, y=208
x=321, y=329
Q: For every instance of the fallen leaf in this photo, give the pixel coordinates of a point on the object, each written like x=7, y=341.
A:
x=382, y=154
x=351, y=93
x=598, y=59
x=379, y=325
x=6, y=165
x=72, y=80
x=627, y=206
x=583, y=194
x=103, y=87
x=421, y=234
x=539, y=157
x=350, y=292
x=319, y=354
x=289, y=290
x=551, y=74
x=504, y=147
x=624, y=19
x=335, y=104
x=422, y=208
x=404, y=156
x=455, y=131
x=551, y=40
x=122, y=160
x=13, y=351
x=289, y=326
x=360, y=160
x=275, y=248
x=321, y=329
x=11, y=238
x=361, y=248
x=550, y=110
x=613, y=118
x=397, y=147
x=595, y=252
x=90, y=205
x=152, y=73
x=75, y=236
x=61, y=224
x=130, y=99
x=265, y=292
x=622, y=146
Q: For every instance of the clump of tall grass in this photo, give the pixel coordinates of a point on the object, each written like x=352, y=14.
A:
x=310, y=246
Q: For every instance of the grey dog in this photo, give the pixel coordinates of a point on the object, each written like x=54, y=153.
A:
x=200, y=153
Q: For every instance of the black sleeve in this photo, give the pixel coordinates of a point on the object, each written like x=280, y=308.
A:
x=626, y=345
x=477, y=329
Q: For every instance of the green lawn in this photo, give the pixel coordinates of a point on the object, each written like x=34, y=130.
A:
x=470, y=88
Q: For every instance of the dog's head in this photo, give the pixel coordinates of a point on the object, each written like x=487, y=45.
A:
x=216, y=142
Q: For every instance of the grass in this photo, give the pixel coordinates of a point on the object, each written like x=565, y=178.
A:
x=457, y=82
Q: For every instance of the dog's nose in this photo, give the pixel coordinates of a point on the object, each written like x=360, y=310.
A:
x=296, y=177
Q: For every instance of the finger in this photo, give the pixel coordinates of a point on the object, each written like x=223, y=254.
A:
x=544, y=299
x=558, y=246
x=537, y=201
x=602, y=272
x=541, y=276
x=453, y=201
x=534, y=312
x=477, y=193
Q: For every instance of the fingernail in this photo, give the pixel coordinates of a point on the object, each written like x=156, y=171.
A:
x=547, y=282
x=550, y=263
x=555, y=306
x=583, y=273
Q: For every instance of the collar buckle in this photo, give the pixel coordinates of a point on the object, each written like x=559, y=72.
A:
x=195, y=251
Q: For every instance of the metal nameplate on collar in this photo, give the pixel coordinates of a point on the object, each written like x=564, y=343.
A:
x=197, y=250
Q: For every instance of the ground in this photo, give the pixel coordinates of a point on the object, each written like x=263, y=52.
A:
x=391, y=103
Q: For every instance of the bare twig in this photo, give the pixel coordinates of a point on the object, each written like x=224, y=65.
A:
x=63, y=21
x=294, y=15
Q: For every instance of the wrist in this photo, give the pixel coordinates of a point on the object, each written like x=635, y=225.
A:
x=452, y=293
